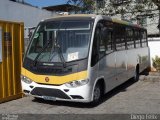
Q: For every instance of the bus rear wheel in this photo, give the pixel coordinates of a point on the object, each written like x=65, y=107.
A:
x=136, y=76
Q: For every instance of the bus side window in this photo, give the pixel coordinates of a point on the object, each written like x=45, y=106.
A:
x=102, y=42
x=119, y=32
x=129, y=38
x=109, y=42
x=137, y=38
x=144, y=38
x=95, y=48
x=108, y=36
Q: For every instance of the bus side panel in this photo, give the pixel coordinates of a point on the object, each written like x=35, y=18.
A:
x=132, y=61
x=125, y=65
x=121, y=66
x=107, y=69
x=137, y=56
x=143, y=58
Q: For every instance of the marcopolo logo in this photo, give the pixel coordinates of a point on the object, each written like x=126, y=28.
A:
x=47, y=79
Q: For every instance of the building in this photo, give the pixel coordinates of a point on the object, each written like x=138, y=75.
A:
x=18, y=10
x=63, y=9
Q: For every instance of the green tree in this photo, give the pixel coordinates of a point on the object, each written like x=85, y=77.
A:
x=132, y=9
x=88, y=6
x=127, y=8
x=84, y=6
x=76, y=4
x=157, y=2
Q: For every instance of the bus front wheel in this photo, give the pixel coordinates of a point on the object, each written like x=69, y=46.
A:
x=97, y=94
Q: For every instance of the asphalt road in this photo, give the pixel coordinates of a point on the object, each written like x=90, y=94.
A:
x=142, y=97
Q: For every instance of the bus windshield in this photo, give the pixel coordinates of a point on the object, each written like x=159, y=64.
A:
x=54, y=40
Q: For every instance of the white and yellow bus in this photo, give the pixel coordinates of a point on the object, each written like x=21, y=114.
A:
x=81, y=57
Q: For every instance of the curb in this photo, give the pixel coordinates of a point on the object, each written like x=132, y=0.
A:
x=152, y=77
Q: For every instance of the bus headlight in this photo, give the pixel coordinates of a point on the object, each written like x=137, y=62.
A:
x=26, y=80
x=77, y=83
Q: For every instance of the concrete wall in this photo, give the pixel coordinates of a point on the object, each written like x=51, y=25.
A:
x=154, y=45
x=14, y=11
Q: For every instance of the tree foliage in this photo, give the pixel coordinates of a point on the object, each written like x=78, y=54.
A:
x=157, y=2
x=85, y=6
x=129, y=8
x=132, y=9
x=156, y=63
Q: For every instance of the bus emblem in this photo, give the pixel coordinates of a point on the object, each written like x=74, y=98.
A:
x=47, y=79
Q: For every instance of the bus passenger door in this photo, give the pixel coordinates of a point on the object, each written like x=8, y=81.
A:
x=107, y=68
x=103, y=57
x=121, y=54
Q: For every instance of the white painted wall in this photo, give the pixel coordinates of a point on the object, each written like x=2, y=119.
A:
x=154, y=45
x=13, y=11
x=152, y=24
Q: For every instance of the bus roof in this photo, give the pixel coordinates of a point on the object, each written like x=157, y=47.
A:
x=126, y=23
x=91, y=17
x=72, y=17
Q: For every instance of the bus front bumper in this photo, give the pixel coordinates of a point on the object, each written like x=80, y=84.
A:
x=61, y=93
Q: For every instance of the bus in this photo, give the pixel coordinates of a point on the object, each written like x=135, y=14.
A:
x=81, y=57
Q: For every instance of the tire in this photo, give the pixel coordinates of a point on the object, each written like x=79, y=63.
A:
x=38, y=99
x=136, y=76
x=97, y=95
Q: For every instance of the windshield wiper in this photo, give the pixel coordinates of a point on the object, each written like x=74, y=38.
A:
x=61, y=55
x=45, y=46
x=56, y=45
x=57, y=48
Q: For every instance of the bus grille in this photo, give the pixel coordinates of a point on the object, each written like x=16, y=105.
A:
x=49, y=92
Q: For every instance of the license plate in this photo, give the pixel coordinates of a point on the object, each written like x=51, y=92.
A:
x=49, y=98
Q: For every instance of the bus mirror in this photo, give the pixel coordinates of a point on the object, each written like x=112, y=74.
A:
x=30, y=34
x=31, y=31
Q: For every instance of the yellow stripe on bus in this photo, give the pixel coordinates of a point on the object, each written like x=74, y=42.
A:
x=120, y=21
x=56, y=80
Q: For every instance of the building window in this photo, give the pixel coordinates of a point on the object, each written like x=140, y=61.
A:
x=22, y=1
x=119, y=2
x=140, y=1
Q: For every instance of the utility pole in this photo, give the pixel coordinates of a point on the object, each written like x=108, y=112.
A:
x=159, y=20
x=96, y=6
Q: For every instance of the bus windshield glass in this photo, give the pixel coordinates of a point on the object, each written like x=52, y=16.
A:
x=54, y=40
